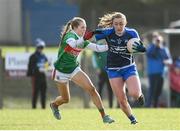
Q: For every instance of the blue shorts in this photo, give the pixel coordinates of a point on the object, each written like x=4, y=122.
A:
x=125, y=73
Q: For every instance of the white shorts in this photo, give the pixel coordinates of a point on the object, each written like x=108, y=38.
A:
x=64, y=77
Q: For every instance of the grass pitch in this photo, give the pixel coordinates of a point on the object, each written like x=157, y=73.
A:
x=88, y=119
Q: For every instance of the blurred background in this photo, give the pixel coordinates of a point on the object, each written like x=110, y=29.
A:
x=23, y=21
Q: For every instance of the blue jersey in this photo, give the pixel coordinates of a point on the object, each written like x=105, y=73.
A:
x=118, y=56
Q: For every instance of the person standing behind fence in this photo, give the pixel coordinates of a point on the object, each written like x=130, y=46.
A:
x=99, y=62
x=157, y=57
x=175, y=83
x=37, y=66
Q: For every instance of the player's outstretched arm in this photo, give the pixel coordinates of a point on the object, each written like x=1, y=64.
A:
x=97, y=48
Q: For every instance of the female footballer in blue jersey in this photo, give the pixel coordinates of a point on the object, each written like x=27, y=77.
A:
x=121, y=68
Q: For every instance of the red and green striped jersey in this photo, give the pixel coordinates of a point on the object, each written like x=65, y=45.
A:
x=67, y=55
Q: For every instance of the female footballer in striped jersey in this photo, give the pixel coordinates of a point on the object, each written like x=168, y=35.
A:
x=74, y=40
x=121, y=68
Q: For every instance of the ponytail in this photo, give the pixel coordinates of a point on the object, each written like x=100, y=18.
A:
x=66, y=29
x=105, y=21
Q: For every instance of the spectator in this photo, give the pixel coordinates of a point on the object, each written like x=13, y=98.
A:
x=158, y=57
x=37, y=66
x=175, y=83
x=99, y=62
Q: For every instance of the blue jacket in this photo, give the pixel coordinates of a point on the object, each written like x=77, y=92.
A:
x=155, y=58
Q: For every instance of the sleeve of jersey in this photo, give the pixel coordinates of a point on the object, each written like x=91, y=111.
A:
x=97, y=48
x=103, y=33
x=70, y=39
x=134, y=34
x=75, y=43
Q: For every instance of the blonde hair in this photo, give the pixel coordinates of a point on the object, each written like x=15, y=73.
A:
x=107, y=19
x=74, y=23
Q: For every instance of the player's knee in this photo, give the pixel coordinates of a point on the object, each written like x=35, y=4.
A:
x=135, y=94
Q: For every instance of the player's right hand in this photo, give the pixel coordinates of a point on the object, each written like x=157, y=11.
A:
x=88, y=35
x=97, y=31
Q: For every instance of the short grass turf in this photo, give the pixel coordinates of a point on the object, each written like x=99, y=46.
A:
x=88, y=119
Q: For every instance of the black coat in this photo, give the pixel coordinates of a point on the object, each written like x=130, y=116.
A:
x=36, y=61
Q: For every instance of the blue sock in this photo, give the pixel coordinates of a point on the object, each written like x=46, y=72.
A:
x=132, y=118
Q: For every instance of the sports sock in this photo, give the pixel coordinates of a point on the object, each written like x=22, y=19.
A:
x=141, y=100
x=132, y=118
x=54, y=104
x=102, y=112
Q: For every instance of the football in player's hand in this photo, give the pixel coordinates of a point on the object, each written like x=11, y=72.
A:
x=134, y=45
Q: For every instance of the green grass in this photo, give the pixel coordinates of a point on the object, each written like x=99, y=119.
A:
x=88, y=119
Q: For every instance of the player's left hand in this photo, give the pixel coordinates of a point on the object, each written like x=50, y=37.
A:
x=139, y=47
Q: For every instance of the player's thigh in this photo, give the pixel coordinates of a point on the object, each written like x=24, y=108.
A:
x=82, y=80
x=63, y=89
x=118, y=87
x=134, y=86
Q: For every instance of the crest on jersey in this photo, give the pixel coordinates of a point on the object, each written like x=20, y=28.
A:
x=119, y=41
